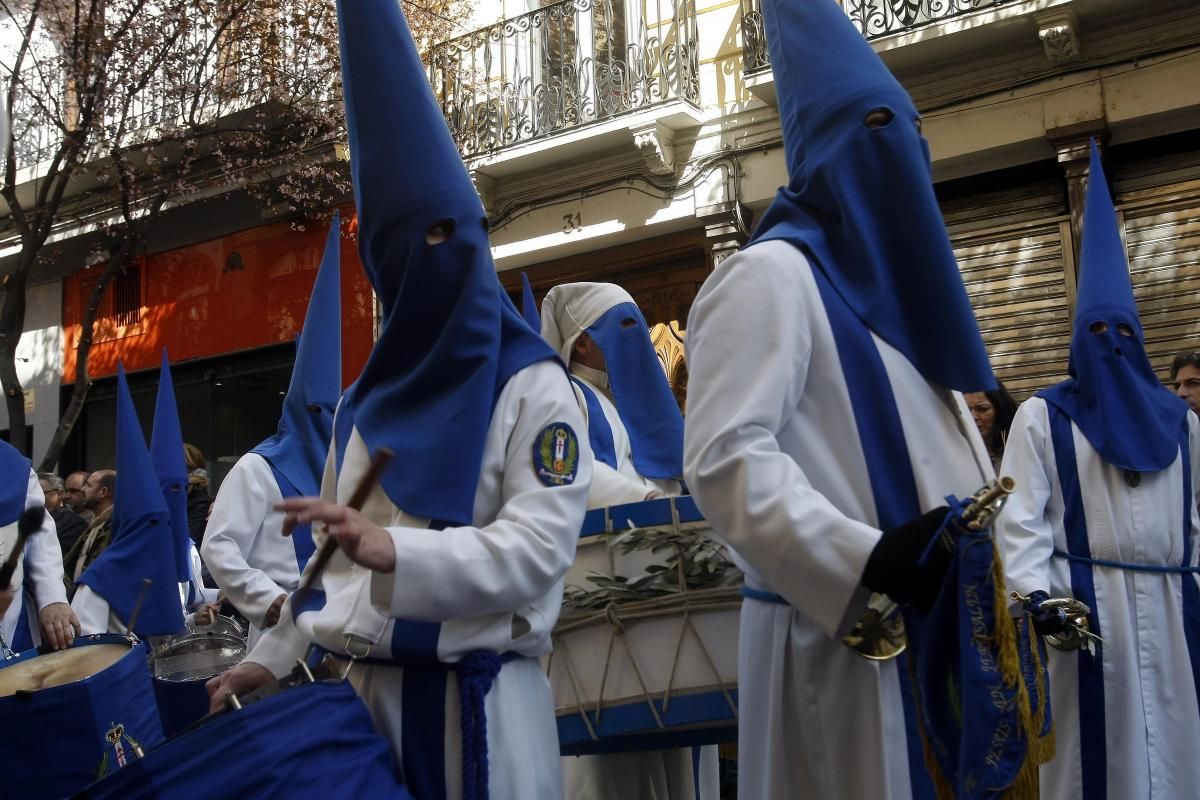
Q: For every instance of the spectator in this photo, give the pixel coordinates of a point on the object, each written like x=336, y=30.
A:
x=1185, y=377
x=70, y=526
x=198, y=496
x=73, y=494
x=99, y=489
x=993, y=412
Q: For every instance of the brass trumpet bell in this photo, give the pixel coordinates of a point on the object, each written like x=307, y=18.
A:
x=879, y=633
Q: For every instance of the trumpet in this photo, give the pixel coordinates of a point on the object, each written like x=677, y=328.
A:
x=879, y=633
x=1078, y=634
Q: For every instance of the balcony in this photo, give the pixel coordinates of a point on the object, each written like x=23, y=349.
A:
x=571, y=66
x=875, y=19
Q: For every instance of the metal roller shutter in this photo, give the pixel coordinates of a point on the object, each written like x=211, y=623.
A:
x=1013, y=249
x=1159, y=200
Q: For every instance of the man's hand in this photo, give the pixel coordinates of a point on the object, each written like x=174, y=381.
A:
x=362, y=541
x=272, y=617
x=894, y=567
x=207, y=613
x=59, y=624
x=242, y=679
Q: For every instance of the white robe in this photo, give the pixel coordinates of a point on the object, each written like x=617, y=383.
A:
x=244, y=547
x=774, y=460
x=495, y=585
x=97, y=616
x=657, y=774
x=1150, y=710
x=40, y=565
x=624, y=484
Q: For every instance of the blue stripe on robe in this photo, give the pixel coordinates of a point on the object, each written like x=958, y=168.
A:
x=1191, y=591
x=301, y=536
x=1093, y=753
x=600, y=433
x=889, y=468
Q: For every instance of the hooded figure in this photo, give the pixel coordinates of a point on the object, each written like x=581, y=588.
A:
x=166, y=451
x=470, y=529
x=823, y=451
x=142, y=554
x=244, y=547
x=636, y=432
x=1106, y=467
x=634, y=424
x=39, y=613
x=529, y=308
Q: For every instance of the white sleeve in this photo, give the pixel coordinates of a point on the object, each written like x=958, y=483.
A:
x=749, y=348
x=611, y=488
x=279, y=646
x=1194, y=441
x=1024, y=534
x=43, y=556
x=93, y=612
x=516, y=559
x=237, y=517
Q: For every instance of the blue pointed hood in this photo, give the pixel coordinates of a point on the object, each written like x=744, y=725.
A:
x=1113, y=395
x=166, y=451
x=859, y=201
x=449, y=338
x=142, y=545
x=529, y=307
x=299, y=447
x=636, y=378
x=14, y=483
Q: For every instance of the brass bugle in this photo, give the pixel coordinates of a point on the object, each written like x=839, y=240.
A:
x=879, y=633
x=1078, y=634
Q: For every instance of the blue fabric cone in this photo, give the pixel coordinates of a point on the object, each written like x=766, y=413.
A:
x=142, y=542
x=450, y=337
x=529, y=308
x=859, y=201
x=299, y=447
x=166, y=451
x=1113, y=395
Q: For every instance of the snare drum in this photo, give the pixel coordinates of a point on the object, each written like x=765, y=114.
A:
x=646, y=672
x=181, y=665
x=71, y=716
x=310, y=741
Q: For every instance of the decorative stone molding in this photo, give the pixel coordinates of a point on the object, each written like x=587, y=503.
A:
x=726, y=228
x=656, y=143
x=485, y=187
x=1059, y=32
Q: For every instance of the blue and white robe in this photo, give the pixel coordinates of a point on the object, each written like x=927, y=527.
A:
x=244, y=546
x=495, y=585
x=775, y=461
x=39, y=575
x=1127, y=724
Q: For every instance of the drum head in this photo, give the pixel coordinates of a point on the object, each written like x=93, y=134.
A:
x=196, y=656
x=81, y=661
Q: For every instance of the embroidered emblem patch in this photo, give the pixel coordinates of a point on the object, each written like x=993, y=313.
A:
x=556, y=455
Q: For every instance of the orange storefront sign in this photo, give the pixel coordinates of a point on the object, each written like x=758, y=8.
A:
x=238, y=292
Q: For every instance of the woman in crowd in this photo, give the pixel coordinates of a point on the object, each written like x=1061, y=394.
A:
x=993, y=412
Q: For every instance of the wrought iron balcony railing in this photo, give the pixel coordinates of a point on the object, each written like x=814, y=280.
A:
x=569, y=64
x=207, y=78
x=874, y=18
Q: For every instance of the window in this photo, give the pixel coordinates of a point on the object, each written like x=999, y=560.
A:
x=120, y=311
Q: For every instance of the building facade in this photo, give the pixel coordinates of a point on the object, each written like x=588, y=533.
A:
x=637, y=141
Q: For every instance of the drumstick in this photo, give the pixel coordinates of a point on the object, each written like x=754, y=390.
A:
x=137, y=607
x=29, y=523
x=383, y=456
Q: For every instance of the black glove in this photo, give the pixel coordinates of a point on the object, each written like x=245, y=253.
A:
x=893, y=568
x=1046, y=621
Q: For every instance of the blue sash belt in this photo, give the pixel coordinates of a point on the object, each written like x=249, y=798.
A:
x=1103, y=562
x=423, y=717
x=750, y=593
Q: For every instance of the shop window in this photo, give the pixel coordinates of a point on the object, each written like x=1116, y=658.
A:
x=120, y=312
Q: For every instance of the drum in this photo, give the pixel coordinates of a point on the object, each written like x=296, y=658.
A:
x=74, y=715
x=181, y=665
x=310, y=741
x=645, y=650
